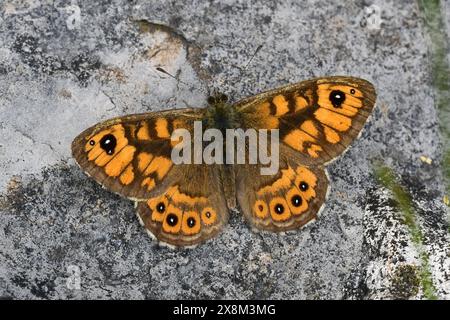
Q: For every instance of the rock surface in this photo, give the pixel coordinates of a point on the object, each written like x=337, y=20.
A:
x=65, y=65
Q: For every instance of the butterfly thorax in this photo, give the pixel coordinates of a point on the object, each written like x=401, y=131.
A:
x=220, y=115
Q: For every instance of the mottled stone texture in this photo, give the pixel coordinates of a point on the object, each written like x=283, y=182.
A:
x=65, y=65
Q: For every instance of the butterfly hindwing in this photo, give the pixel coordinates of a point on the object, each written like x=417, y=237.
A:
x=190, y=210
x=284, y=201
x=317, y=118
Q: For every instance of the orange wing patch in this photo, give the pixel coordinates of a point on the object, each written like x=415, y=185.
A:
x=191, y=223
x=333, y=119
x=302, y=140
x=180, y=197
x=120, y=161
x=143, y=133
x=331, y=135
x=158, y=208
x=127, y=176
x=279, y=209
x=260, y=209
x=284, y=181
x=348, y=90
x=143, y=160
x=300, y=103
x=147, y=164
x=149, y=183
x=309, y=127
x=161, y=165
x=295, y=201
x=172, y=219
x=161, y=127
x=297, y=138
x=268, y=120
x=345, y=109
x=313, y=150
x=306, y=182
x=94, y=144
x=281, y=105
x=209, y=216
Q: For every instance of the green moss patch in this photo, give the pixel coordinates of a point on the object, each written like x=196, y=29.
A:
x=439, y=46
x=387, y=178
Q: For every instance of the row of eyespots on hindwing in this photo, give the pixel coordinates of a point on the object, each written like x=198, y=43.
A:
x=175, y=220
x=296, y=188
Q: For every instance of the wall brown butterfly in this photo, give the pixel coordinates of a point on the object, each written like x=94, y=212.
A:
x=186, y=204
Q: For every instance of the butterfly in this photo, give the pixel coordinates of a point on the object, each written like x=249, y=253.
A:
x=187, y=204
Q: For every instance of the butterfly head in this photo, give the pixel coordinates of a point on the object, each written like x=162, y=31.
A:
x=218, y=98
x=220, y=114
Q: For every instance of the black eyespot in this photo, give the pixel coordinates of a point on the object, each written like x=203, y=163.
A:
x=352, y=91
x=260, y=208
x=172, y=219
x=92, y=142
x=337, y=97
x=208, y=214
x=191, y=222
x=303, y=186
x=296, y=200
x=160, y=207
x=108, y=143
x=279, y=208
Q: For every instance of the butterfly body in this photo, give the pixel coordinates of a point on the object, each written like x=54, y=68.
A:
x=220, y=115
x=186, y=204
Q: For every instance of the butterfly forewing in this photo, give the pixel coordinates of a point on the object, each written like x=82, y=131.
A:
x=317, y=118
x=131, y=155
x=181, y=205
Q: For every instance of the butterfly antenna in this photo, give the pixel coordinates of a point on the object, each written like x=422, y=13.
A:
x=252, y=57
x=176, y=78
x=170, y=75
x=244, y=69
